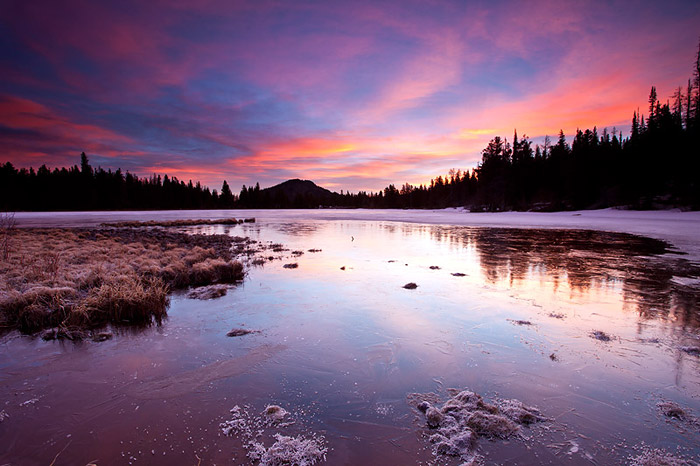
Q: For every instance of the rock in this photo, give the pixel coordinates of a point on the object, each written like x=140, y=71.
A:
x=291, y=266
x=459, y=274
x=102, y=336
x=521, y=322
x=673, y=410
x=49, y=334
x=692, y=350
x=60, y=333
x=208, y=292
x=600, y=335
x=423, y=406
x=433, y=416
x=238, y=332
x=275, y=413
x=410, y=286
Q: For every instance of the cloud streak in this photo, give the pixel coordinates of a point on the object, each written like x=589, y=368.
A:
x=355, y=95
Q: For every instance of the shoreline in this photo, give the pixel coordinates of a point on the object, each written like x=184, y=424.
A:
x=679, y=228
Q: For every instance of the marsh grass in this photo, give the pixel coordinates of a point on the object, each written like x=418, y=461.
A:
x=70, y=278
x=7, y=227
x=177, y=223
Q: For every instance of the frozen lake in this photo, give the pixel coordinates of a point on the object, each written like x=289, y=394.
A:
x=341, y=343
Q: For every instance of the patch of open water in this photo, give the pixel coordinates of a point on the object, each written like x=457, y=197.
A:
x=341, y=344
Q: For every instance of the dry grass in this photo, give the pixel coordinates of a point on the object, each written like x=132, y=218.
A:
x=7, y=227
x=176, y=223
x=87, y=278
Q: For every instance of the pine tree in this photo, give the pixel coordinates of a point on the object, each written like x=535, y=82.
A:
x=653, y=106
x=635, y=126
x=85, y=167
x=226, y=195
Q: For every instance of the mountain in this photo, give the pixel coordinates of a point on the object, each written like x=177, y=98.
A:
x=297, y=187
x=299, y=194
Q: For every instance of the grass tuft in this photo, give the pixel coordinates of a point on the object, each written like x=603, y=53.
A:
x=76, y=278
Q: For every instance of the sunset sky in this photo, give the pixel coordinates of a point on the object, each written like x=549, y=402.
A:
x=353, y=95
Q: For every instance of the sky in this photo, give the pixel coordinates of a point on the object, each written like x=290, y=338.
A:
x=353, y=95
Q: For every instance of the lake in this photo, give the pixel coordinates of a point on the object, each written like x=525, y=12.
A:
x=340, y=344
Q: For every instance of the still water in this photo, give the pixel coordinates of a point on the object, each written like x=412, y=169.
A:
x=341, y=343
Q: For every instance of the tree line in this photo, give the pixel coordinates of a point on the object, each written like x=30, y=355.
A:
x=657, y=165
x=85, y=188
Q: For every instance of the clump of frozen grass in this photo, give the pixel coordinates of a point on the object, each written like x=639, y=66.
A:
x=672, y=410
x=293, y=265
x=3, y=415
x=125, y=298
x=682, y=417
x=657, y=457
x=285, y=450
x=103, y=276
x=455, y=426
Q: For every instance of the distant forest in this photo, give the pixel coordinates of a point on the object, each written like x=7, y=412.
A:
x=657, y=166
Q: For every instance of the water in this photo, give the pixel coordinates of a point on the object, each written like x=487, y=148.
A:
x=341, y=349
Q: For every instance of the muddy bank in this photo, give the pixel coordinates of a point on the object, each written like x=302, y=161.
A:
x=178, y=223
x=83, y=278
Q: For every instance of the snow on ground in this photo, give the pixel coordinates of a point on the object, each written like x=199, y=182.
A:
x=681, y=229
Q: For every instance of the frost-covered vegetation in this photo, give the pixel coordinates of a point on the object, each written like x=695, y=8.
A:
x=86, y=278
x=300, y=450
x=455, y=426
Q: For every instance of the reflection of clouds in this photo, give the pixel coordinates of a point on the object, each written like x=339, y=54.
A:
x=620, y=273
x=572, y=264
x=384, y=336
x=587, y=260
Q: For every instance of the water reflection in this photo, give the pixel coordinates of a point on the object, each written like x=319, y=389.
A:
x=647, y=275
x=352, y=343
x=591, y=259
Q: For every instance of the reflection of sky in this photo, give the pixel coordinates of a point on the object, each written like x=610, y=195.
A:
x=384, y=256
x=355, y=340
x=359, y=335
x=353, y=95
